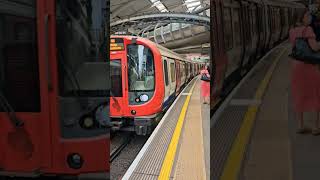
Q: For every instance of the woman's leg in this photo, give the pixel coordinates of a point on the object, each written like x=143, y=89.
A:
x=316, y=130
x=301, y=128
x=316, y=123
x=300, y=119
x=203, y=99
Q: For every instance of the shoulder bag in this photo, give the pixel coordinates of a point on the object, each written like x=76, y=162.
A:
x=204, y=77
x=302, y=51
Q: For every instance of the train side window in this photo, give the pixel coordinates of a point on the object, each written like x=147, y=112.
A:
x=237, y=27
x=166, y=72
x=19, y=65
x=173, y=72
x=228, y=38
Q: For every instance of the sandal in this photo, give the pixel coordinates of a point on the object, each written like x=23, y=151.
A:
x=316, y=132
x=302, y=131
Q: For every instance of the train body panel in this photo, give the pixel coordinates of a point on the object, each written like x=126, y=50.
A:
x=151, y=77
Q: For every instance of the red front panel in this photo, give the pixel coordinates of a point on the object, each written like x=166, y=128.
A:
x=154, y=105
x=27, y=148
x=31, y=88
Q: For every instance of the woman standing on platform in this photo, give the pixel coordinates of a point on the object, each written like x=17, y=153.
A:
x=305, y=78
x=205, y=85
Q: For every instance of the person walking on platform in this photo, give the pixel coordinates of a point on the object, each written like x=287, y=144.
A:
x=305, y=78
x=205, y=85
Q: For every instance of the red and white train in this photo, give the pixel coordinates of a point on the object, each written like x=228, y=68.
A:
x=53, y=101
x=145, y=79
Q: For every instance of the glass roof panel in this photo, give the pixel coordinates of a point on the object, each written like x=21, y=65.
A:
x=193, y=5
x=159, y=5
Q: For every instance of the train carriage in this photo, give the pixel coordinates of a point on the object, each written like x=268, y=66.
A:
x=243, y=31
x=52, y=114
x=151, y=77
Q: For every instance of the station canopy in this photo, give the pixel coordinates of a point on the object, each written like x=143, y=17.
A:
x=172, y=23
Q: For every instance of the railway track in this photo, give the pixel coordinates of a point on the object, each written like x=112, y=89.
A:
x=117, y=151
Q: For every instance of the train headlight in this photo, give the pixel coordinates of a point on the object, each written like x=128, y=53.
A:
x=75, y=161
x=133, y=112
x=87, y=122
x=144, y=98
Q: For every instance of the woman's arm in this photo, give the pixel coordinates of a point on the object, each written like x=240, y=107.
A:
x=309, y=33
x=314, y=44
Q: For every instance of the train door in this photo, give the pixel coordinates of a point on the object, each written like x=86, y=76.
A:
x=254, y=30
x=277, y=19
x=187, y=71
x=272, y=26
x=247, y=38
x=172, y=76
x=24, y=114
x=234, y=48
x=178, y=76
x=191, y=70
x=261, y=29
x=268, y=23
x=287, y=22
x=119, y=92
x=166, y=80
x=183, y=73
x=283, y=25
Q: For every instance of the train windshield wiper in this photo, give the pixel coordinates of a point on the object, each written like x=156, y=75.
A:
x=11, y=114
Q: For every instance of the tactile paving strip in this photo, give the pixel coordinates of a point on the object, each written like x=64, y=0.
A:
x=223, y=133
x=150, y=165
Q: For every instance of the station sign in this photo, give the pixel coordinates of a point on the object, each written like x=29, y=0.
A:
x=116, y=44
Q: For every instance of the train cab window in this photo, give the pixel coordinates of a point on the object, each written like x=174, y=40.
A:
x=228, y=39
x=237, y=26
x=116, y=78
x=19, y=68
x=165, y=65
x=173, y=72
x=81, y=43
x=141, y=74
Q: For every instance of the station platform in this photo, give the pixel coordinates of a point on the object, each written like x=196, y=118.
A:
x=176, y=149
x=253, y=133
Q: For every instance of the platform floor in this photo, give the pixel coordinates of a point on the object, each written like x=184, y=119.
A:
x=191, y=162
x=254, y=136
x=176, y=149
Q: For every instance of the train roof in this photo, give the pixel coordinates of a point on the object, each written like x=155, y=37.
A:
x=284, y=3
x=275, y=3
x=163, y=51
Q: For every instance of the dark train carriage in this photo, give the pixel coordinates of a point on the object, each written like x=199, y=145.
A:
x=242, y=32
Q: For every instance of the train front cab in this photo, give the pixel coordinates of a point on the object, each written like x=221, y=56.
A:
x=52, y=114
x=137, y=84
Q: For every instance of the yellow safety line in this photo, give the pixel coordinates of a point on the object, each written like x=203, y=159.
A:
x=171, y=152
x=234, y=161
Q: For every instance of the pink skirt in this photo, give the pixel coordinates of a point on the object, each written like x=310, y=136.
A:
x=205, y=89
x=305, y=87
